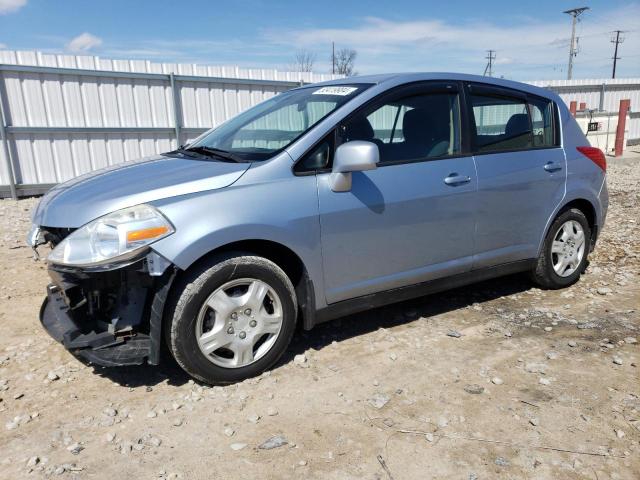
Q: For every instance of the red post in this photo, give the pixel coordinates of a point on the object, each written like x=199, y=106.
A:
x=583, y=106
x=622, y=120
x=573, y=107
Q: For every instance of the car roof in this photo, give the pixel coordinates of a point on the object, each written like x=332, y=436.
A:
x=401, y=78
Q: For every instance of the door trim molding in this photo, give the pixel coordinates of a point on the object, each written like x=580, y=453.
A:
x=374, y=300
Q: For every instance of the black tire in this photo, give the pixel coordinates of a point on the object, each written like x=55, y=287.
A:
x=543, y=273
x=189, y=295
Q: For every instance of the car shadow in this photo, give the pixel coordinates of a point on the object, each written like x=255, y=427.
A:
x=404, y=312
x=338, y=330
x=135, y=376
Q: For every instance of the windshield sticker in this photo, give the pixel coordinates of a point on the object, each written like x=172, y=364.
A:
x=342, y=91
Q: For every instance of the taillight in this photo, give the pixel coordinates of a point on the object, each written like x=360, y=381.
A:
x=595, y=155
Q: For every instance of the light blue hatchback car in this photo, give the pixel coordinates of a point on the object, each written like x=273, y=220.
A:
x=322, y=201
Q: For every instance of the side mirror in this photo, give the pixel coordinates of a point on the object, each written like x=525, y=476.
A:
x=354, y=156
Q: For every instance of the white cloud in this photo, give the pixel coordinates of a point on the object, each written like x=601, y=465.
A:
x=526, y=48
x=3, y=46
x=9, y=6
x=83, y=43
x=503, y=61
x=233, y=51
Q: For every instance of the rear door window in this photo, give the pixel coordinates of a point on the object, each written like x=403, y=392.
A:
x=502, y=123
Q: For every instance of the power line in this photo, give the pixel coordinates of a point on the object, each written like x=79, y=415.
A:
x=617, y=40
x=608, y=32
x=563, y=42
x=491, y=56
x=573, y=47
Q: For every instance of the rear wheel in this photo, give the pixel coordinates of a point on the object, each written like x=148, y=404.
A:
x=231, y=318
x=564, y=254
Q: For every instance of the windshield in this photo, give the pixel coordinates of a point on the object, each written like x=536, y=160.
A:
x=259, y=132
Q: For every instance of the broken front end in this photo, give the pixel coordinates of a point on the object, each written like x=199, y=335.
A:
x=108, y=287
x=108, y=318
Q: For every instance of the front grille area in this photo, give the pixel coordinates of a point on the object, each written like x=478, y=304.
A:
x=99, y=300
x=102, y=317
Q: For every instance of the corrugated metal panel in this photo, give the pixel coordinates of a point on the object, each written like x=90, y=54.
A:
x=589, y=91
x=142, y=98
x=34, y=100
x=634, y=126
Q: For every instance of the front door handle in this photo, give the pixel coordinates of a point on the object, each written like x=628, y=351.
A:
x=552, y=167
x=454, y=179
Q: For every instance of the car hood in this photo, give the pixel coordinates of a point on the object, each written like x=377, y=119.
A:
x=78, y=201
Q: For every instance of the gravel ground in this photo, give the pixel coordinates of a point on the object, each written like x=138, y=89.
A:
x=495, y=380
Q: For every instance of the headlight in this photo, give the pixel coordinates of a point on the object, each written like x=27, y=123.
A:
x=117, y=236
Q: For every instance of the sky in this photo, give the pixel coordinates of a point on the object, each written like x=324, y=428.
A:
x=531, y=39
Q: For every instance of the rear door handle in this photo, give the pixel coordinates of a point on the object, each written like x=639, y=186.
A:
x=454, y=179
x=552, y=167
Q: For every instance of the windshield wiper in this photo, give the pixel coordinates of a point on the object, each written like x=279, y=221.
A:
x=211, y=151
x=182, y=151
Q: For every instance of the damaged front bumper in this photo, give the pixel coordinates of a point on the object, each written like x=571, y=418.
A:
x=109, y=318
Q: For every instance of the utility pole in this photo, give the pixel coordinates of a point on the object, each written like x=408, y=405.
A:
x=491, y=56
x=333, y=58
x=617, y=40
x=573, y=47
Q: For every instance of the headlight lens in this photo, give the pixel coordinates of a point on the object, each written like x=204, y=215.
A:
x=116, y=236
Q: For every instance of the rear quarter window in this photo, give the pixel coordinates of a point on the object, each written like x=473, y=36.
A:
x=542, y=122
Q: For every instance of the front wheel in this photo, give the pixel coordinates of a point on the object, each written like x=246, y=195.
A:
x=231, y=318
x=564, y=254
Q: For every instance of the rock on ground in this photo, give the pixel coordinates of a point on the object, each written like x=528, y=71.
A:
x=361, y=380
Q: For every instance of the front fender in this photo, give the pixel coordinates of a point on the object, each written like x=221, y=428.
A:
x=284, y=211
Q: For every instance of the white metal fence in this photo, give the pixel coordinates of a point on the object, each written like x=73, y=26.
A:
x=602, y=95
x=64, y=115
